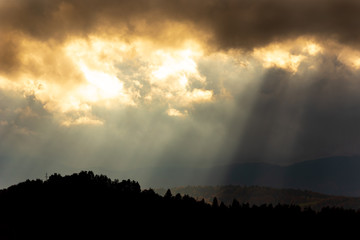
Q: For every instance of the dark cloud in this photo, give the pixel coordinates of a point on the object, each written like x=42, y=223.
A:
x=222, y=24
x=234, y=23
x=8, y=54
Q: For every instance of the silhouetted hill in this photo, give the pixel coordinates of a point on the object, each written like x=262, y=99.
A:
x=88, y=206
x=257, y=195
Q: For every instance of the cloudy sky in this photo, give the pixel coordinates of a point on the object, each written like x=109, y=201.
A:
x=119, y=85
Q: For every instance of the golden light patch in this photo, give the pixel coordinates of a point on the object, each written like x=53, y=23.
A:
x=171, y=70
x=312, y=48
x=8, y=85
x=76, y=75
x=276, y=56
x=350, y=57
x=82, y=121
x=101, y=85
x=287, y=55
x=96, y=60
x=70, y=77
x=175, y=113
x=176, y=63
x=356, y=63
x=199, y=95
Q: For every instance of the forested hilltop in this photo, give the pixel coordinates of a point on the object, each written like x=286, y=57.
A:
x=258, y=195
x=84, y=205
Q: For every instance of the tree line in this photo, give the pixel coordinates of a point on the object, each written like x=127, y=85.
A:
x=86, y=205
x=258, y=195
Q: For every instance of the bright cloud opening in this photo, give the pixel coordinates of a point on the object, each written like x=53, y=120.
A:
x=275, y=56
x=101, y=85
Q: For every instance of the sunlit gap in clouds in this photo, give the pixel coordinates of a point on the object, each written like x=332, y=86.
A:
x=167, y=73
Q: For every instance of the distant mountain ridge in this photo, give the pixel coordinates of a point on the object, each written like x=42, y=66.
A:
x=338, y=175
x=334, y=175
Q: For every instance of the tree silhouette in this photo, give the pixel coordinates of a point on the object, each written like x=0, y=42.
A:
x=215, y=203
x=235, y=203
x=84, y=205
x=222, y=205
x=168, y=194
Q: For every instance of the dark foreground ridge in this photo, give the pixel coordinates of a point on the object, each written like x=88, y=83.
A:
x=86, y=205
